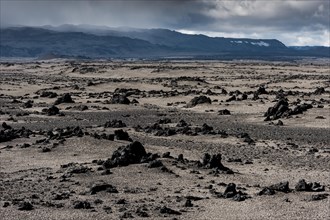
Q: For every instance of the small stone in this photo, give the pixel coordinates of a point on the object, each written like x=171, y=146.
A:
x=188, y=203
x=155, y=163
x=165, y=210
x=224, y=112
x=81, y=205
x=25, y=206
x=317, y=197
x=266, y=191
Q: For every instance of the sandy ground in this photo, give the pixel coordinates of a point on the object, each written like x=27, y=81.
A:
x=34, y=168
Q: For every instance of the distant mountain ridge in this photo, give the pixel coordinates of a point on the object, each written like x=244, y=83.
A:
x=104, y=42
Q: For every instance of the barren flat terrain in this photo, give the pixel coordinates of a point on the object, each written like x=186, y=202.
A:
x=164, y=140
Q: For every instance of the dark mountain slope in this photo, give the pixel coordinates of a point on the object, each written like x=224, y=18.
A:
x=138, y=43
x=32, y=42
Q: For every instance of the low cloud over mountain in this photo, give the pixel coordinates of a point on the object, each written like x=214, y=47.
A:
x=292, y=22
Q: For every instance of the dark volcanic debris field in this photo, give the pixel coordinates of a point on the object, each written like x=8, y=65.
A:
x=164, y=140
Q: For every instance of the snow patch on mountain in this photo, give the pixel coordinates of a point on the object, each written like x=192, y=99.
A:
x=257, y=43
x=261, y=44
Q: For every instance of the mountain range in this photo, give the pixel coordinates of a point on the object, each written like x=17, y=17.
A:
x=103, y=42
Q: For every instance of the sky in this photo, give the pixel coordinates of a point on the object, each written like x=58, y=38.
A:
x=299, y=22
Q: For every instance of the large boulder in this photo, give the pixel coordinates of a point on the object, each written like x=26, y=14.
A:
x=122, y=135
x=126, y=155
x=199, y=100
x=280, y=109
x=214, y=161
x=230, y=190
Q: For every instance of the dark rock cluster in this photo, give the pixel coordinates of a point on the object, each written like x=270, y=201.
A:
x=281, y=110
x=302, y=185
x=126, y=155
x=115, y=124
x=9, y=133
x=182, y=127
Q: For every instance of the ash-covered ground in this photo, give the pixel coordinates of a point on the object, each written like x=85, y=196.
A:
x=164, y=140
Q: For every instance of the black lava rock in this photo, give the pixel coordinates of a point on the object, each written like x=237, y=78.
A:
x=115, y=124
x=11, y=134
x=122, y=135
x=66, y=98
x=232, y=98
x=102, y=186
x=53, y=110
x=214, y=161
x=266, y=191
x=25, y=206
x=155, y=163
x=280, y=109
x=199, y=100
x=302, y=185
x=280, y=123
x=142, y=213
x=48, y=94
x=281, y=187
x=239, y=197
x=123, y=156
x=224, y=112
x=5, y=126
x=81, y=205
x=182, y=123
x=230, y=191
x=261, y=90
x=319, y=91
x=28, y=104
x=188, y=203
x=127, y=215
x=165, y=210
x=120, y=99
x=164, y=121
x=317, y=197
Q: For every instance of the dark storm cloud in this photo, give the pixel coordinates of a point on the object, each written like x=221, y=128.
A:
x=100, y=12
x=289, y=20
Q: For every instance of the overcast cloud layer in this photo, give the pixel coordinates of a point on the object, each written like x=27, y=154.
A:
x=293, y=22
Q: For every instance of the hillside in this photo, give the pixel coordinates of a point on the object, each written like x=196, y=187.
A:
x=138, y=43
